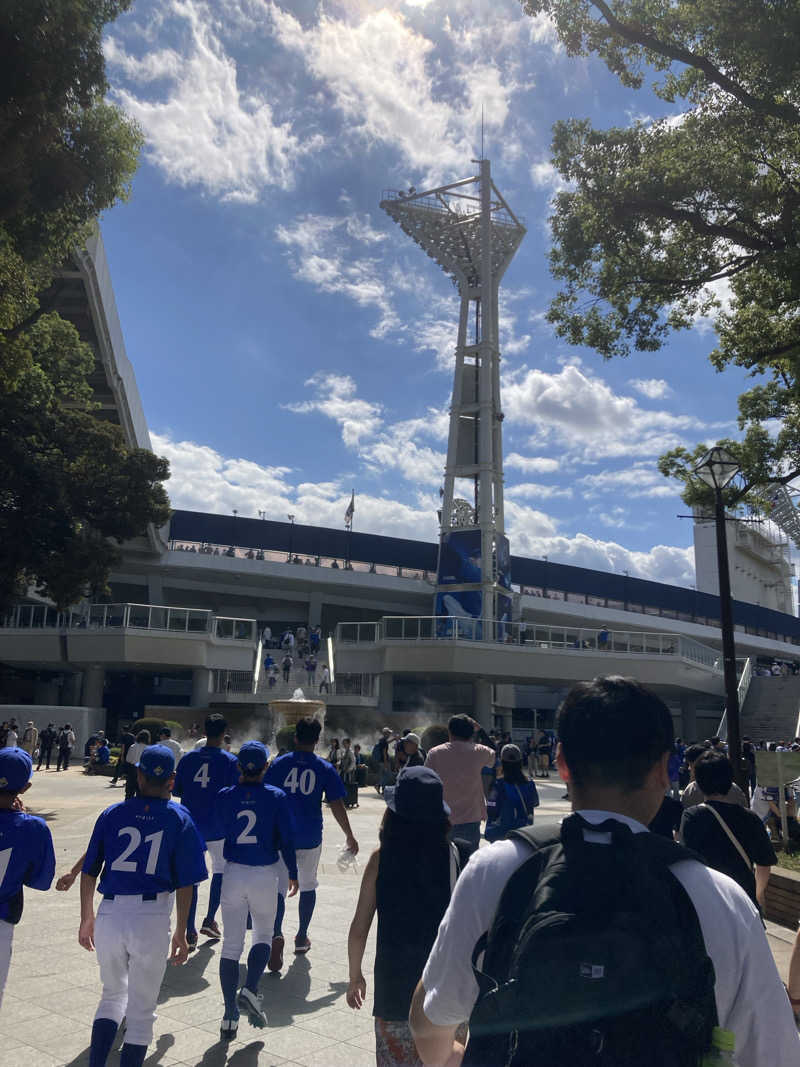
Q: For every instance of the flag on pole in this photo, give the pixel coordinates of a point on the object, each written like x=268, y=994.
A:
x=351, y=507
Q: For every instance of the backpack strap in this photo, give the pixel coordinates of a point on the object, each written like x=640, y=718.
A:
x=730, y=835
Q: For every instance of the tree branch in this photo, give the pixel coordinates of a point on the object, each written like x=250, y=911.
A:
x=697, y=223
x=46, y=304
x=637, y=35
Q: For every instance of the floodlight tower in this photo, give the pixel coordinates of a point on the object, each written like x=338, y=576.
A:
x=471, y=232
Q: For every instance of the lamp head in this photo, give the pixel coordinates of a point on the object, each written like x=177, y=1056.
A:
x=717, y=468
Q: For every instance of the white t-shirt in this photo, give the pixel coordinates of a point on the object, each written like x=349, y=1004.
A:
x=134, y=752
x=751, y=1000
x=175, y=748
x=11, y=739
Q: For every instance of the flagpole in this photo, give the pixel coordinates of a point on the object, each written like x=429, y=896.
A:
x=349, y=522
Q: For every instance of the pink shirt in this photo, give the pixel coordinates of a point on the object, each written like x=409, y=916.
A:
x=459, y=765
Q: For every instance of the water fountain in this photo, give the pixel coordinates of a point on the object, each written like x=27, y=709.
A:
x=290, y=712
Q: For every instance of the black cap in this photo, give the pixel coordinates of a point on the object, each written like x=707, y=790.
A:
x=418, y=795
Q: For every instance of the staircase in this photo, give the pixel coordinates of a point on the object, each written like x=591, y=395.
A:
x=771, y=708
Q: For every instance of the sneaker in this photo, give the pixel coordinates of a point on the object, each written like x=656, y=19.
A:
x=228, y=1029
x=301, y=945
x=276, y=954
x=210, y=929
x=191, y=941
x=253, y=1006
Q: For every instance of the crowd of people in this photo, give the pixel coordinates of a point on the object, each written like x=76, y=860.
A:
x=490, y=955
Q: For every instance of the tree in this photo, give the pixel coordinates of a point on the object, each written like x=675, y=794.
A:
x=696, y=214
x=69, y=487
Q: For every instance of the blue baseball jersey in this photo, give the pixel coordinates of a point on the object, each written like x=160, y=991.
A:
x=145, y=845
x=304, y=777
x=258, y=824
x=200, y=775
x=26, y=858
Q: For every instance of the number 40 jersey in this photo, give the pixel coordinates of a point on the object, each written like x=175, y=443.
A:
x=304, y=777
x=145, y=845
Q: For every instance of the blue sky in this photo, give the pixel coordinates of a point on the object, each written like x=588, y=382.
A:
x=291, y=344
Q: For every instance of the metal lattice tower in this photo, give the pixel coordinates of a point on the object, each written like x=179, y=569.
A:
x=471, y=232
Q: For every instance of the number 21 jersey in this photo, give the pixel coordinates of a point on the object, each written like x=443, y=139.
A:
x=304, y=777
x=145, y=845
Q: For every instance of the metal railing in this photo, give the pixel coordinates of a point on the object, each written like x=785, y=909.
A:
x=231, y=681
x=742, y=690
x=153, y=617
x=529, y=635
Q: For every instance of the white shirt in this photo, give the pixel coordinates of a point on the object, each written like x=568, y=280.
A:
x=134, y=752
x=751, y=1000
x=11, y=739
x=175, y=748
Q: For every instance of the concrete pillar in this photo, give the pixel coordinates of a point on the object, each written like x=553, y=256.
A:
x=201, y=680
x=93, y=683
x=315, y=609
x=155, y=589
x=385, y=694
x=688, y=717
x=483, y=710
x=71, y=690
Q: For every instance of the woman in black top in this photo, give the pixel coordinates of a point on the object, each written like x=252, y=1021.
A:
x=702, y=830
x=408, y=881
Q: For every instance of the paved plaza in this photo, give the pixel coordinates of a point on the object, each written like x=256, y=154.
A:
x=53, y=986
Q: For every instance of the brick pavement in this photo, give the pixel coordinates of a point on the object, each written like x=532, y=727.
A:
x=53, y=985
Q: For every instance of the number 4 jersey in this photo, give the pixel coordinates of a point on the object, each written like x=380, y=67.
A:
x=199, y=777
x=145, y=845
x=304, y=777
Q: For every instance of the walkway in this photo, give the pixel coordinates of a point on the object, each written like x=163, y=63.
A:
x=53, y=985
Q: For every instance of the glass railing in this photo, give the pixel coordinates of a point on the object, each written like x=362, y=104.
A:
x=152, y=617
x=529, y=635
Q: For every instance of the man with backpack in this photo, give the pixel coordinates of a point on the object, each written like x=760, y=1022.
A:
x=596, y=941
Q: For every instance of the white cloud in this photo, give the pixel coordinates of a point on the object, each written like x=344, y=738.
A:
x=531, y=464
x=652, y=388
x=536, y=490
x=545, y=176
x=204, y=130
x=638, y=480
x=204, y=480
x=382, y=76
x=335, y=397
x=324, y=251
x=583, y=415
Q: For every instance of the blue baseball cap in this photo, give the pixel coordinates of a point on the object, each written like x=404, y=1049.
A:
x=16, y=769
x=418, y=795
x=253, y=756
x=157, y=761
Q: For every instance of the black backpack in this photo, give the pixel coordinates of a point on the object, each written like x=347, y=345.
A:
x=595, y=956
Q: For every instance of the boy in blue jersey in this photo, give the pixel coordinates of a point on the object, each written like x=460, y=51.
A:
x=26, y=849
x=147, y=848
x=257, y=824
x=304, y=777
x=200, y=776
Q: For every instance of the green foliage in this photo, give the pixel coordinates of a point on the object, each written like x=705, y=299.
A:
x=69, y=487
x=659, y=215
x=284, y=739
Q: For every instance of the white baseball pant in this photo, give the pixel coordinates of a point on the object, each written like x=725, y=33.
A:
x=6, y=937
x=247, y=889
x=131, y=938
x=307, y=864
x=216, y=852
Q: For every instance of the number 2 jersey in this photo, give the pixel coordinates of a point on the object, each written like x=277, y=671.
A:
x=258, y=824
x=199, y=777
x=304, y=777
x=145, y=845
x=26, y=858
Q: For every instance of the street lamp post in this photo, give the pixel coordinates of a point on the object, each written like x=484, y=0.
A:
x=291, y=536
x=717, y=469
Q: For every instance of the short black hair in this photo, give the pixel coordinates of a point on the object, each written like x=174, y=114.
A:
x=143, y=737
x=613, y=731
x=461, y=726
x=307, y=730
x=165, y=732
x=713, y=773
x=694, y=752
x=215, y=725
